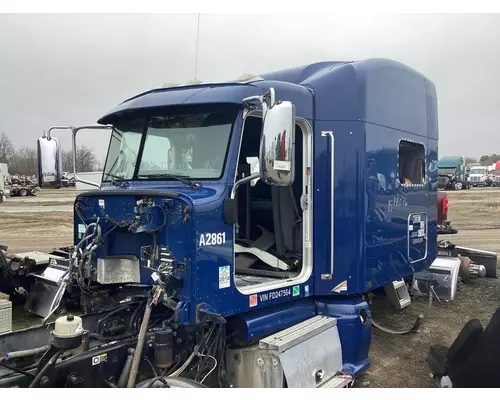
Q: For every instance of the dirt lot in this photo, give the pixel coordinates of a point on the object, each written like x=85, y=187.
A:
x=45, y=222
x=398, y=361
x=37, y=223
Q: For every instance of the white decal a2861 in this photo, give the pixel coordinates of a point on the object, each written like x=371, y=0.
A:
x=212, y=239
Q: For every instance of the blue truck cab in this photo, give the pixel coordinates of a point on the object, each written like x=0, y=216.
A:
x=268, y=202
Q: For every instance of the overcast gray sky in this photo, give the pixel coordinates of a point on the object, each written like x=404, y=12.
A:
x=71, y=69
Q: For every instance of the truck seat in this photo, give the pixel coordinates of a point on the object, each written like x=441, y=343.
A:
x=285, y=218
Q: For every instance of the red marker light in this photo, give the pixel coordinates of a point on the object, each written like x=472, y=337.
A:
x=444, y=207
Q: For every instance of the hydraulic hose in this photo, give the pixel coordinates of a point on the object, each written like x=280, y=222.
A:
x=176, y=373
x=140, y=343
x=15, y=369
x=413, y=329
x=101, y=338
x=45, y=368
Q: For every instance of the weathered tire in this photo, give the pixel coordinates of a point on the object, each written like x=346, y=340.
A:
x=33, y=192
x=465, y=343
x=23, y=192
x=482, y=367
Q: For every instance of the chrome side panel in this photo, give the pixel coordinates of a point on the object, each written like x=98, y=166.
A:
x=307, y=355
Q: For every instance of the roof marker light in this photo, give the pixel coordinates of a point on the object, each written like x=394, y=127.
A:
x=246, y=78
x=193, y=82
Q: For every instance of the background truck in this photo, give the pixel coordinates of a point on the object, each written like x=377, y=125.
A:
x=495, y=174
x=194, y=271
x=452, y=174
x=478, y=176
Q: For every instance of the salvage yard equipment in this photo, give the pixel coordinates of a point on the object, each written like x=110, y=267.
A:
x=196, y=267
x=23, y=190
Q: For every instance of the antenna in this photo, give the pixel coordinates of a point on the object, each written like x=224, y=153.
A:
x=197, y=41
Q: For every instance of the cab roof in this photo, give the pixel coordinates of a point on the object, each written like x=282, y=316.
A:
x=379, y=91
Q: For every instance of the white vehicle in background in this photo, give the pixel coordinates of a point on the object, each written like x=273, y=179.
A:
x=4, y=177
x=478, y=176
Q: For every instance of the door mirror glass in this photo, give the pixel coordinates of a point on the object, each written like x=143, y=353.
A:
x=277, y=144
x=49, y=162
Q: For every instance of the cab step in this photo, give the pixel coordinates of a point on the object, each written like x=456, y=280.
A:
x=397, y=293
x=337, y=382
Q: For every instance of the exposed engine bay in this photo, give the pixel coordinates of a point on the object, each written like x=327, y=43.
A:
x=134, y=345
x=128, y=320
x=99, y=272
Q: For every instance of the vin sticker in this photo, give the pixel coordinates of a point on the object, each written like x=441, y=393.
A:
x=277, y=294
x=224, y=277
x=81, y=230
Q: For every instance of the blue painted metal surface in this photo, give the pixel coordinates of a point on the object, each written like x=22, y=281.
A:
x=354, y=325
x=370, y=106
x=182, y=96
x=255, y=325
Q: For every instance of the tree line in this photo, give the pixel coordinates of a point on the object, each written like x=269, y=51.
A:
x=23, y=160
x=485, y=160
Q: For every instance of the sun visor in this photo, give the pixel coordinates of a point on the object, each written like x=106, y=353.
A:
x=187, y=95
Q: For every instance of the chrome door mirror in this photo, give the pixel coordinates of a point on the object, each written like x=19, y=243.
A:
x=49, y=160
x=277, y=143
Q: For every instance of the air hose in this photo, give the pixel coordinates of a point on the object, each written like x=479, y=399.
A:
x=414, y=329
x=24, y=353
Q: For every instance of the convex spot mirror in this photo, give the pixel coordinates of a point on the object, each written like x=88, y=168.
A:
x=277, y=144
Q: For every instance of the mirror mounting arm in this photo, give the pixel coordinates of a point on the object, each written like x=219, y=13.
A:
x=246, y=179
x=48, y=136
x=270, y=94
x=74, y=131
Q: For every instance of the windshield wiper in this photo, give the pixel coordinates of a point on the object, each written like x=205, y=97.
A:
x=180, y=178
x=107, y=175
x=115, y=181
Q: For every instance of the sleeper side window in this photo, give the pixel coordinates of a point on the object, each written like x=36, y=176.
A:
x=412, y=164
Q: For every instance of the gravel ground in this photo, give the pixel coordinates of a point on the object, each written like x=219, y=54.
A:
x=398, y=361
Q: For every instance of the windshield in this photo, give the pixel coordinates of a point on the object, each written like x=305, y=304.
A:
x=191, y=145
x=446, y=171
x=481, y=171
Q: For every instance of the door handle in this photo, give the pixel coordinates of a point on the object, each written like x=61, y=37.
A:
x=332, y=214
